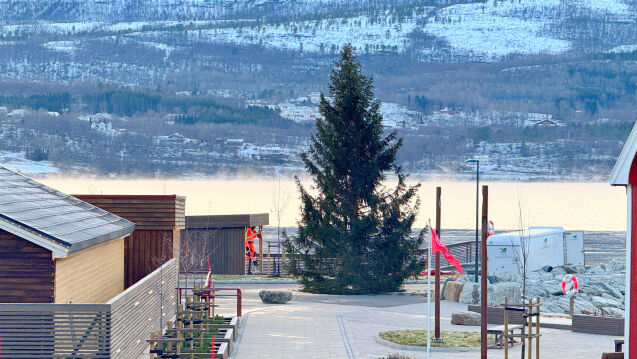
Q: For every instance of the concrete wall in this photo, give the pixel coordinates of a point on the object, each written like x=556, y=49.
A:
x=93, y=275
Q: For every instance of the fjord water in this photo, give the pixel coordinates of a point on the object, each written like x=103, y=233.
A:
x=589, y=206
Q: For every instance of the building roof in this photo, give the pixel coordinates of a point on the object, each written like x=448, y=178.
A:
x=228, y=221
x=619, y=176
x=54, y=220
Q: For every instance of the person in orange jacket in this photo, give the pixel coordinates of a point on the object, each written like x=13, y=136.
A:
x=251, y=252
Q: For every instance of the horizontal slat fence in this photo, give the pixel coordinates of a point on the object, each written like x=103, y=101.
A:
x=118, y=329
x=137, y=311
x=55, y=331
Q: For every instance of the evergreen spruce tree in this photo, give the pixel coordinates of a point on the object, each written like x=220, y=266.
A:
x=355, y=233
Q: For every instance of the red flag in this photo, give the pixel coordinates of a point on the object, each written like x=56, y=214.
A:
x=436, y=246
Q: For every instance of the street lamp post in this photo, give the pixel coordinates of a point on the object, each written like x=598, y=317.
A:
x=477, y=162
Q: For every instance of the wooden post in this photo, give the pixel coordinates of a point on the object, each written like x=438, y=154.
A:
x=260, y=235
x=506, y=328
x=571, y=306
x=483, y=273
x=437, y=295
x=530, y=328
x=537, y=330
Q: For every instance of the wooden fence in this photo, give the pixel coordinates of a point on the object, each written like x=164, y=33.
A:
x=55, y=331
x=117, y=329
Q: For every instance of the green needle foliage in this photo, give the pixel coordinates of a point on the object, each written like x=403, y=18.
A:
x=354, y=235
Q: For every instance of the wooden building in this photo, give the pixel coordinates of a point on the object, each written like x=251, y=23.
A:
x=158, y=220
x=55, y=248
x=223, y=238
x=625, y=174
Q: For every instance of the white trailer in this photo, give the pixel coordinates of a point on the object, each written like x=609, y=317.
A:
x=550, y=246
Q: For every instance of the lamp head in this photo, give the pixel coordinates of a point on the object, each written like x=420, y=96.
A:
x=472, y=160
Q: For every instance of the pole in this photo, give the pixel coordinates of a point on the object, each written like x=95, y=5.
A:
x=477, y=214
x=437, y=297
x=429, y=297
x=483, y=284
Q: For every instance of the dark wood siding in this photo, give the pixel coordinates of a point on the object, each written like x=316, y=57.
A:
x=27, y=271
x=225, y=245
x=155, y=218
x=147, y=212
x=228, y=220
x=145, y=251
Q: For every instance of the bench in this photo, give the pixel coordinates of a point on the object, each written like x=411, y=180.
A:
x=499, y=335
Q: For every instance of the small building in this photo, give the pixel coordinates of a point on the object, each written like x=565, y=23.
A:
x=223, y=237
x=55, y=248
x=625, y=174
x=158, y=220
x=550, y=246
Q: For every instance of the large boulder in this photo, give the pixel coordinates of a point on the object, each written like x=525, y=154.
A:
x=452, y=291
x=470, y=293
x=275, y=296
x=509, y=290
x=600, y=302
x=465, y=318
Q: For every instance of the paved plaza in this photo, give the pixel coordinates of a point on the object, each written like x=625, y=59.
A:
x=334, y=326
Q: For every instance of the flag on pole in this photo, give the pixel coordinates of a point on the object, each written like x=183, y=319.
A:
x=429, y=297
x=436, y=246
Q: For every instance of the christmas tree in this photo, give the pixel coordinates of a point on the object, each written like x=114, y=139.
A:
x=355, y=233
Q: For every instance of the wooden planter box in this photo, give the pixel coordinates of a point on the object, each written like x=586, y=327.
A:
x=230, y=323
x=598, y=325
x=226, y=335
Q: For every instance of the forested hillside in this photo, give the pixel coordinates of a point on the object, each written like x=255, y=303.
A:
x=476, y=70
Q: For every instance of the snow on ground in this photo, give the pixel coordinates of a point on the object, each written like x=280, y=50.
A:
x=493, y=30
x=321, y=35
x=17, y=161
x=62, y=46
x=396, y=115
x=617, y=7
x=623, y=48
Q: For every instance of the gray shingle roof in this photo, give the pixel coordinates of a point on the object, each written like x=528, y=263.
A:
x=55, y=216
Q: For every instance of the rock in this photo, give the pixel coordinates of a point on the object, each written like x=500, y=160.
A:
x=591, y=290
x=557, y=293
x=570, y=269
x=275, y=296
x=510, y=290
x=558, y=273
x=600, y=302
x=465, y=318
x=493, y=279
x=536, y=290
x=547, y=269
x=610, y=290
x=470, y=293
x=582, y=306
x=452, y=291
x=612, y=311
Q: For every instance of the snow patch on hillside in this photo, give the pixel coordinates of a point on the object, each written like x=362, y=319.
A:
x=493, y=30
x=319, y=36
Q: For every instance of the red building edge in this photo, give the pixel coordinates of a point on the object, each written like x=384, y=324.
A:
x=625, y=174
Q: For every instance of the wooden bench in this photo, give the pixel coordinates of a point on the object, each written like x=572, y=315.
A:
x=499, y=335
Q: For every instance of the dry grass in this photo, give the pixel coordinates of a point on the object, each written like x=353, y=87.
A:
x=419, y=338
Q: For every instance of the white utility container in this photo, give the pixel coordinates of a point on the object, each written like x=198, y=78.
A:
x=550, y=246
